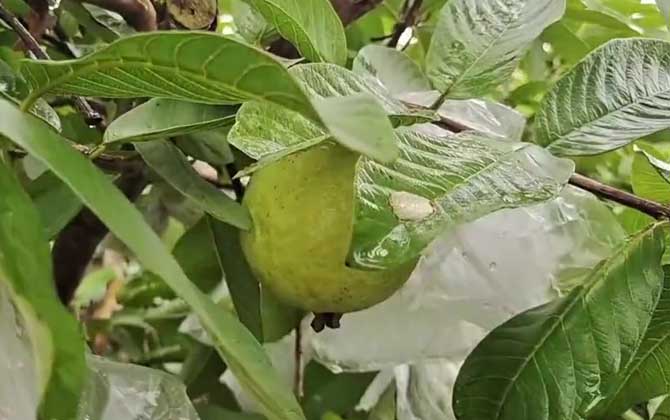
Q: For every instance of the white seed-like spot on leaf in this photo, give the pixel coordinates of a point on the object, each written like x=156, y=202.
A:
x=411, y=207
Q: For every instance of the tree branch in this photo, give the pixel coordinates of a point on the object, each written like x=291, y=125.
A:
x=411, y=13
x=651, y=208
x=91, y=116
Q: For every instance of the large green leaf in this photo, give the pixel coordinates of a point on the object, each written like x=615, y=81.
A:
x=619, y=93
x=646, y=377
x=262, y=129
x=161, y=118
x=242, y=353
x=25, y=267
x=171, y=164
x=478, y=43
x=647, y=174
x=312, y=26
x=394, y=69
x=205, y=68
x=190, y=66
x=557, y=361
x=439, y=181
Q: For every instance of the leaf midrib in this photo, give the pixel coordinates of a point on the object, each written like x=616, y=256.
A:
x=102, y=64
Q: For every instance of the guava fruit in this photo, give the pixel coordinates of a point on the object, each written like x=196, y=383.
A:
x=302, y=211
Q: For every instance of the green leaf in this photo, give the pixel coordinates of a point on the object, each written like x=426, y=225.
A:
x=312, y=26
x=440, y=181
x=196, y=67
x=327, y=81
x=660, y=166
x=197, y=255
x=346, y=115
x=250, y=24
x=242, y=353
x=645, y=377
x=478, y=43
x=25, y=267
x=393, y=68
x=209, y=146
x=55, y=202
x=266, y=130
x=616, y=95
x=171, y=164
x=558, y=360
x=190, y=66
x=242, y=285
x=386, y=408
x=161, y=118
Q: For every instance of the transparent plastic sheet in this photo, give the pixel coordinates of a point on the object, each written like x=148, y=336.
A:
x=115, y=391
x=18, y=383
x=484, y=116
x=130, y=392
x=473, y=279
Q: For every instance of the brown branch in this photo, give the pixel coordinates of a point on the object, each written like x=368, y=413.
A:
x=90, y=115
x=140, y=14
x=411, y=13
x=651, y=208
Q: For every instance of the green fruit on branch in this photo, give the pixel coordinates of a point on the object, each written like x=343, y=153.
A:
x=302, y=209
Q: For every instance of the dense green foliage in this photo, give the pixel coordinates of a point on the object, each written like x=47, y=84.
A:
x=369, y=135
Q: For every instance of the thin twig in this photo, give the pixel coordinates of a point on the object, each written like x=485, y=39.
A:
x=298, y=373
x=91, y=116
x=651, y=208
x=410, y=16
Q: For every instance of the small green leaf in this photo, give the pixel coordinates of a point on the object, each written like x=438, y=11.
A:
x=242, y=285
x=250, y=24
x=171, y=164
x=264, y=129
x=616, y=95
x=661, y=167
x=312, y=26
x=558, y=360
x=242, y=353
x=55, y=202
x=440, y=181
x=393, y=68
x=25, y=267
x=345, y=116
x=209, y=146
x=161, y=118
x=190, y=66
x=477, y=44
x=645, y=179
x=197, y=255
